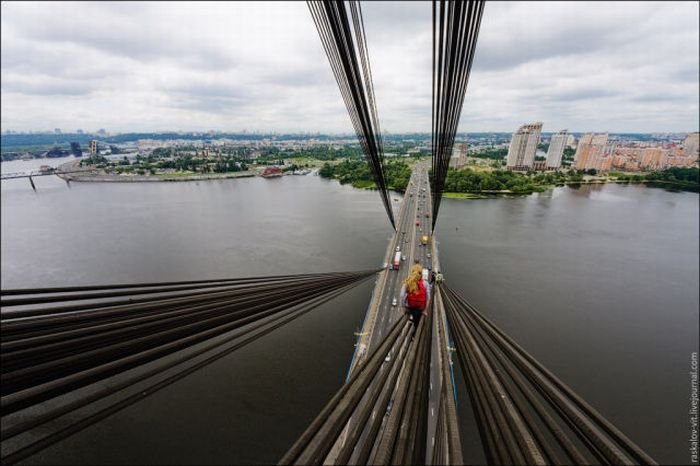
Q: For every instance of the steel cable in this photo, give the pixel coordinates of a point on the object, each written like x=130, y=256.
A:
x=349, y=60
x=514, y=368
x=455, y=31
x=317, y=424
x=32, y=350
x=75, y=427
x=38, y=384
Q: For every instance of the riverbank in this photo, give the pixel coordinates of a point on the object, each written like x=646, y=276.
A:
x=506, y=194
x=105, y=178
x=100, y=176
x=470, y=184
x=510, y=194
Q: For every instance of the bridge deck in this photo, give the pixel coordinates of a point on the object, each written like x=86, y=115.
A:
x=382, y=314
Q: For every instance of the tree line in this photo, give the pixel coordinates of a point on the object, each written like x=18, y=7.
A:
x=356, y=171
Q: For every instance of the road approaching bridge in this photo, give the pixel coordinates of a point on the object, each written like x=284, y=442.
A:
x=413, y=225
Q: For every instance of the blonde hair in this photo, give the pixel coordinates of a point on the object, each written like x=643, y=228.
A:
x=413, y=278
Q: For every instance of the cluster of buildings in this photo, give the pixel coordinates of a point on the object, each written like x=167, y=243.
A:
x=523, y=148
x=597, y=151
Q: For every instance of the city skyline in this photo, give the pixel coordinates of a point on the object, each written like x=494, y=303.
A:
x=102, y=132
x=621, y=68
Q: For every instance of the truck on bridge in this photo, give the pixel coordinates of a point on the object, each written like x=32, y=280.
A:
x=424, y=240
x=397, y=260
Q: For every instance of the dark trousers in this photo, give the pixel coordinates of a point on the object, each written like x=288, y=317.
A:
x=414, y=315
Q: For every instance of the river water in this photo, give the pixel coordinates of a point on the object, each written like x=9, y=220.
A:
x=599, y=283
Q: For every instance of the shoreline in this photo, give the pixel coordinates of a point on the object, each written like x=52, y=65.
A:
x=96, y=177
x=507, y=194
x=147, y=178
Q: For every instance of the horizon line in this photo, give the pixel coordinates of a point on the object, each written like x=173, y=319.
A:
x=307, y=133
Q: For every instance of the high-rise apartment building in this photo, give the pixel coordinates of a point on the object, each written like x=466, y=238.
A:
x=691, y=145
x=93, y=147
x=523, y=145
x=583, y=141
x=556, y=149
x=459, y=155
x=591, y=148
x=653, y=158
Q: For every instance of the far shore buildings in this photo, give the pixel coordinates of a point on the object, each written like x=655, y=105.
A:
x=599, y=152
x=596, y=152
x=523, y=146
x=556, y=150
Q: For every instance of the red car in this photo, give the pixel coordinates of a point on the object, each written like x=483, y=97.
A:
x=417, y=223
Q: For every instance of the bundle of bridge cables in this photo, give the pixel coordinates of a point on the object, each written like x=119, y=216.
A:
x=346, y=49
x=526, y=414
x=455, y=32
x=99, y=349
x=380, y=415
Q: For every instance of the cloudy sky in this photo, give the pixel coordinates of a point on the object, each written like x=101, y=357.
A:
x=619, y=67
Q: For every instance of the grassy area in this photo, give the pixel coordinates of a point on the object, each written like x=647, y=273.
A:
x=176, y=174
x=313, y=163
x=411, y=161
x=479, y=168
x=364, y=184
x=464, y=196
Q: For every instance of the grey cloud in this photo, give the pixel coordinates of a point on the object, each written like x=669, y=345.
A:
x=513, y=34
x=577, y=94
x=660, y=97
x=210, y=104
x=686, y=74
x=48, y=87
x=311, y=76
x=115, y=29
x=140, y=66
